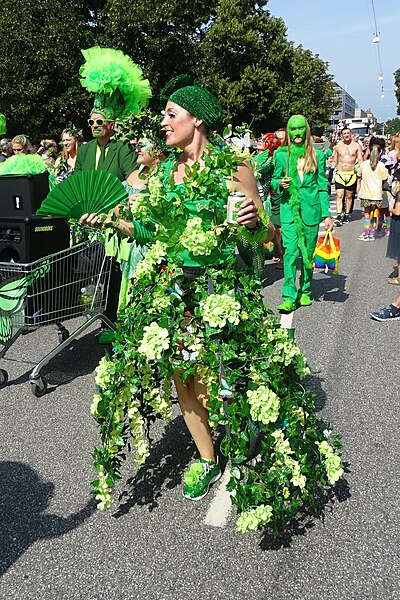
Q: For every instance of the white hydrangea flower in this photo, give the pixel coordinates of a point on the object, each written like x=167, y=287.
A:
x=155, y=340
x=220, y=308
x=332, y=462
x=198, y=241
x=104, y=372
x=249, y=520
x=264, y=404
x=154, y=256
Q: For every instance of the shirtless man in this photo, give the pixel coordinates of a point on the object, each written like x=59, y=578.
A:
x=345, y=155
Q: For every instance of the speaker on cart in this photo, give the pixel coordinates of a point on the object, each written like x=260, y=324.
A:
x=22, y=195
x=26, y=240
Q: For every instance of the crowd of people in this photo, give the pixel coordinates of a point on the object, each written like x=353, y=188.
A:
x=59, y=158
x=370, y=170
x=183, y=308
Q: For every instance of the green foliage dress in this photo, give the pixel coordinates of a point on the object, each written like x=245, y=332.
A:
x=217, y=326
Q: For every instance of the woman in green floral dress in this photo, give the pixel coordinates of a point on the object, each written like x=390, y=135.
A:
x=196, y=318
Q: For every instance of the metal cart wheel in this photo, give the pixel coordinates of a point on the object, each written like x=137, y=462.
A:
x=3, y=378
x=39, y=387
x=63, y=334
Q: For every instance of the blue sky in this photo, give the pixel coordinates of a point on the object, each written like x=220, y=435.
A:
x=341, y=33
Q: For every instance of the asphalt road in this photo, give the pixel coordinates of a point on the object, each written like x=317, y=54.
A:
x=154, y=544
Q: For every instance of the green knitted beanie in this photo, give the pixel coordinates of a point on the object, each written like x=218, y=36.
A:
x=174, y=84
x=200, y=103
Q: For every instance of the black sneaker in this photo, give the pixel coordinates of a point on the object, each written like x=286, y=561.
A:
x=339, y=220
x=391, y=313
x=346, y=218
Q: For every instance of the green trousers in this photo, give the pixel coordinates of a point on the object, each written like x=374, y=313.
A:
x=290, y=258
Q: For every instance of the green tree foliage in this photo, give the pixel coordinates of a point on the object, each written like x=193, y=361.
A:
x=397, y=90
x=307, y=89
x=243, y=58
x=259, y=76
x=392, y=126
x=162, y=37
x=235, y=47
x=39, y=74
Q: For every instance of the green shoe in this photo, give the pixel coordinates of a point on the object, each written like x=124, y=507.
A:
x=198, y=479
x=107, y=336
x=287, y=306
x=305, y=300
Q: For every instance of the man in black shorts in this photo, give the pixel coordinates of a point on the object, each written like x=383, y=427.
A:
x=345, y=155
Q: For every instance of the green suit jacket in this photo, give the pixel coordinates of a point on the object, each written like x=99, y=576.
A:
x=120, y=159
x=314, y=197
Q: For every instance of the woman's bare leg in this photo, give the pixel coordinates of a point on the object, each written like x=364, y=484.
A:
x=192, y=395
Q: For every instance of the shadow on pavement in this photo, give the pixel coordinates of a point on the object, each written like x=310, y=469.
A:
x=329, y=288
x=271, y=274
x=79, y=358
x=356, y=215
x=308, y=515
x=24, y=499
x=313, y=383
x=169, y=458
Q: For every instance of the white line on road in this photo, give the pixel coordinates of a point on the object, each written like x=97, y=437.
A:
x=221, y=505
x=287, y=320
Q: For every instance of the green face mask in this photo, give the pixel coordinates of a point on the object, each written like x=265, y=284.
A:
x=297, y=128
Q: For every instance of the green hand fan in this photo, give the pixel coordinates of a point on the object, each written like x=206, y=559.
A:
x=84, y=192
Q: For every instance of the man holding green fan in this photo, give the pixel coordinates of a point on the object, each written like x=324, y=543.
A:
x=103, y=152
x=120, y=90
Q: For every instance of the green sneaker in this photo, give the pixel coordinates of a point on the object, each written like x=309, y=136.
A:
x=198, y=479
x=287, y=306
x=305, y=300
x=107, y=336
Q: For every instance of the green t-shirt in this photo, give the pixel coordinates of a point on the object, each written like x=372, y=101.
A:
x=224, y=250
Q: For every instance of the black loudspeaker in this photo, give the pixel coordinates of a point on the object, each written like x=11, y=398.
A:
x=22, y=195
x=27, y=240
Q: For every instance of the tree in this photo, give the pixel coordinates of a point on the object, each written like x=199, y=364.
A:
x=162, y=41
x=256, y=72
x=236, y=48
x=307, y=89
x=397, y=91
x=40, y=91
x=242, y=58
x=392, y=126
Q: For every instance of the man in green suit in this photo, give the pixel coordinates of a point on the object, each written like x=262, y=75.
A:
x=119, y=90
x=103, y=152
x=300, y=173
x=106, y=154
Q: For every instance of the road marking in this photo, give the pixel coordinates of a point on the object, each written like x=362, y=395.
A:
x=221, y=505
x=287, y=320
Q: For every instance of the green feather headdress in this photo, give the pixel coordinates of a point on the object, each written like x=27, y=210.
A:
x=116, y=81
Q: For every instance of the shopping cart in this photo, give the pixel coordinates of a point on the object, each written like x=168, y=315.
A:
x=69, y=284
